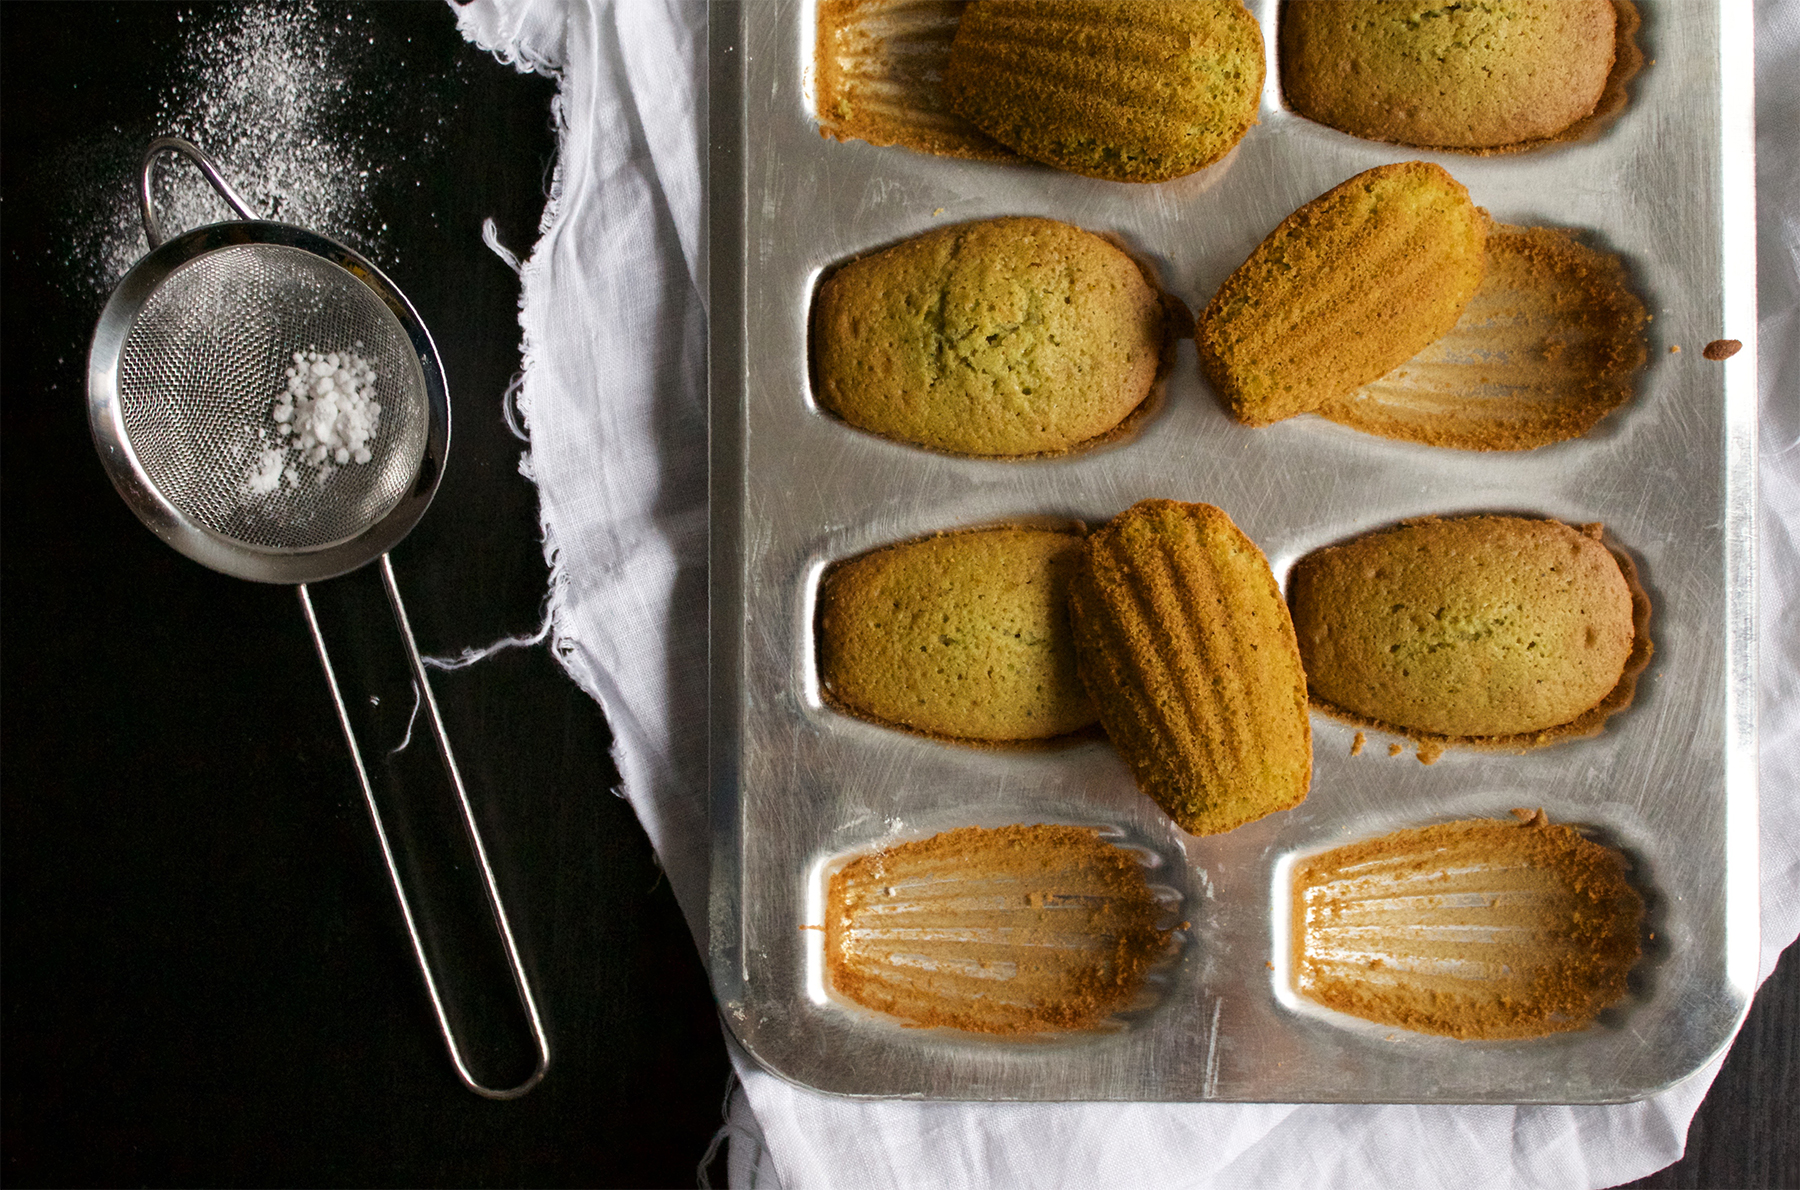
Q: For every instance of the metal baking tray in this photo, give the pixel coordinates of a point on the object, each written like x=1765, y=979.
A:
x=796, y=786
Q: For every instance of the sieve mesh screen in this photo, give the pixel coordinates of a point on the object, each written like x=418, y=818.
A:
x=203, y=364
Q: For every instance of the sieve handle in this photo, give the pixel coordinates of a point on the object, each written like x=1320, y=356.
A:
x=521, y=983
x=188, y=149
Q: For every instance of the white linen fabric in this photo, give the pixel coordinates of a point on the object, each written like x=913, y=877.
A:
x=613, y=314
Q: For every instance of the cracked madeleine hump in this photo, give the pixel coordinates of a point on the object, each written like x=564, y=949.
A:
x=1350, y=286
x=1001, y=338
x=1126, y=90
x=1187, y=648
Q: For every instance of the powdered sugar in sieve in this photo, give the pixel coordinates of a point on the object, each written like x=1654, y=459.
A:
x=324, y=420
x=199, y=379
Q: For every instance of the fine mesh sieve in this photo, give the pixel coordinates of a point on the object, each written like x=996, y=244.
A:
x=202, y=367
x=186, y=366
x=188, y=361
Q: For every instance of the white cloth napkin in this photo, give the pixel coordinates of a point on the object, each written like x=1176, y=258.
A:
x=613, y=313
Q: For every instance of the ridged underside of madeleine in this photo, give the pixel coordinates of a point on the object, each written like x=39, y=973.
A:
x=878, y=76
x=1021, y=929
x=1347, y=288
x=1188, y=650
x=1481, y=929
x=1551, y=343
x=1129, y=91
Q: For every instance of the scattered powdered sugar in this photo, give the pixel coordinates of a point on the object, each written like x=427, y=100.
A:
x=323, y=419
x=266, y=91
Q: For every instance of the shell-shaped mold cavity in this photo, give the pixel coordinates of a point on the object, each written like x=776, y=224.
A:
x=962, y=635
x=1016, y=930
x=1483, y=929
x=1187, y=648
x=1551, y=343
x=879, y=73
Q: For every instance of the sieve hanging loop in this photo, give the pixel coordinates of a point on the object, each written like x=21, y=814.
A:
x=182, y=371
x=188, y=149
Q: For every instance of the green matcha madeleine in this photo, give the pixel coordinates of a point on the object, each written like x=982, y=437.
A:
x=962, y=635
x=1126, y=90
x=1004, y=338
x=1468, y=628
x=1496, y=75
x=1348, y=287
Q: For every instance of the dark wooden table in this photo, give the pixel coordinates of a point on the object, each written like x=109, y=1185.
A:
x=206, y=980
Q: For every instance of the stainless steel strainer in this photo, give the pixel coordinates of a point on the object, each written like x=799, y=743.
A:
x=186, y=365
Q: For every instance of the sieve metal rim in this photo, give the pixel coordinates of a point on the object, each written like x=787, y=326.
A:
x=159, y=515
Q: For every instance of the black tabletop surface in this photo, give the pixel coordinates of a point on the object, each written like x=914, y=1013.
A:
x=206, y=979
